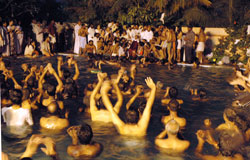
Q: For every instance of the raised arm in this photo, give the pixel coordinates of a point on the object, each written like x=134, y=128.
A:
x=101, y=77
x=59, y=65
x=77, y=73
x=139, y=89
x=106, y=101
x=132, y=73
x=11, y=76
x=200, y=135
x=147, y=111
x=40, y=82
x=59, y=81
x=119, y=102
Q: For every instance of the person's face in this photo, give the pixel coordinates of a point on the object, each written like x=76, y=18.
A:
x=11, y=23
x=47, y=39
x=5, y=24
x=33, y=43
x=91, y=43
x=79, y=23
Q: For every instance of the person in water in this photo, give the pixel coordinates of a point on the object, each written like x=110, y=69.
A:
x=81, y=146
x=229, y=143
x=34, y=142
x=101, y=114
x=133, y=126
x=54, y=120
x=171, y=93
x=173, y=144
x=15, y=115
x=173, y=107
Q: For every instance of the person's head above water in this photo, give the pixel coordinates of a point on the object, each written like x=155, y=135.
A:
x=16, y=96
x=202, y=93
x=173, y=92
x=173, y=105
x=51, y=90
x=229, y=143
x=85, y=134
x=132, y=116
x=52, y=107
x=172, y=127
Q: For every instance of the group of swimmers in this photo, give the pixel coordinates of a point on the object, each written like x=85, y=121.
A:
x=47, y=96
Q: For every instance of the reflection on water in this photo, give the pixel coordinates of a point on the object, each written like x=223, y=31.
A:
x=126, y=148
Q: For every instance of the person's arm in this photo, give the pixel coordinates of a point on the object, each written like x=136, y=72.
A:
x=59, y=65
x=93, y=107
x=11, y=76
x=77, y=73
x=200, y=136
x=147, y=111
x=138, y=92
x=32, y=146
x=40, y=82
x=162, y=134
x=72, y=131
x=167, y=92
x=132, y=74
x=106, y=101
x=59, y=81
x=29, y=119
x=119, y=102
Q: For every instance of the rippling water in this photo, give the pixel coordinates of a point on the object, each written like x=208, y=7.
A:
x=127, y=148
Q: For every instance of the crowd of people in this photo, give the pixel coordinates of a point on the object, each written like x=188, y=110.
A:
x=152, y=43
x=46, y=96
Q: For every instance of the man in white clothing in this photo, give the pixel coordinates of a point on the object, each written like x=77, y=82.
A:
x=77, y=38
x=91, y=32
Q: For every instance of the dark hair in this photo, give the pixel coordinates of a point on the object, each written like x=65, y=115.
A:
x=51, y=90
x=66, y=73
x=26, y=94
x=16, y=96
x=202, y=93
x=31, y=82
x=85, y=134
x=173, y=92
x=173, y=105
x=132, y=116
x=229, y=143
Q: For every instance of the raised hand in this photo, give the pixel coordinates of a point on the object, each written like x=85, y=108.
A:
x=200, y=135
x=101, y=76
x=50, y=146
x=60, y=58
x=150, y=83
x=139, y=89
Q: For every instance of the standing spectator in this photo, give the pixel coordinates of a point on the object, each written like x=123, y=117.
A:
x=19, y=33
x=189, y=39
x=12, y=31
x=179, y=44
x=60, y=36
x=45, y=48
x=201, y=45
x=39, y=33
x=68, y=37
x=77, y=37
x=83, y=32
x=91, y=32
x=52, y=35
x=6, y=39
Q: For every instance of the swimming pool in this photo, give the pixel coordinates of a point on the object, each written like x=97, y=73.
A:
x=121, y=147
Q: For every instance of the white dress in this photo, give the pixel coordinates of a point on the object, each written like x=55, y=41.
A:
x=19, y=39
x=77, y=39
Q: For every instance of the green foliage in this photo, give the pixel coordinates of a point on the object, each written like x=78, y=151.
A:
x=234, y=45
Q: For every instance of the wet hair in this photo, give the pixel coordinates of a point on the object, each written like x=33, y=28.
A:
x=100, y=104
x=202, y=93
x=229, y=143
x=26, y=94
x=173, y=105
x=172, y=127
x=31, y=82
x=16, y=96
x=70, y=88
x=51, y=90
x=173, y=92
x=66, y=73
x=85, y=134
x=239, y=121
x=132, y=116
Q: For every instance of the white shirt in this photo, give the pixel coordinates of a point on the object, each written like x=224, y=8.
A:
x=29, y=50
x=91, y=33
x=16, y=117
x=148, y=35
x=121, y=52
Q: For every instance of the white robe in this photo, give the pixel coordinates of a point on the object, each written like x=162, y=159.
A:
x=91, y=34
x=77, y=39
x=19, y=40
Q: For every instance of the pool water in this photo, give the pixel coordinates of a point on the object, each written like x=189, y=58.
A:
x=119, y=147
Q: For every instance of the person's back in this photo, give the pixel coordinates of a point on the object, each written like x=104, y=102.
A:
x=53, y=121
x=15, y=115
x=172, y=143
x=82, y=147
x=173, y=107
